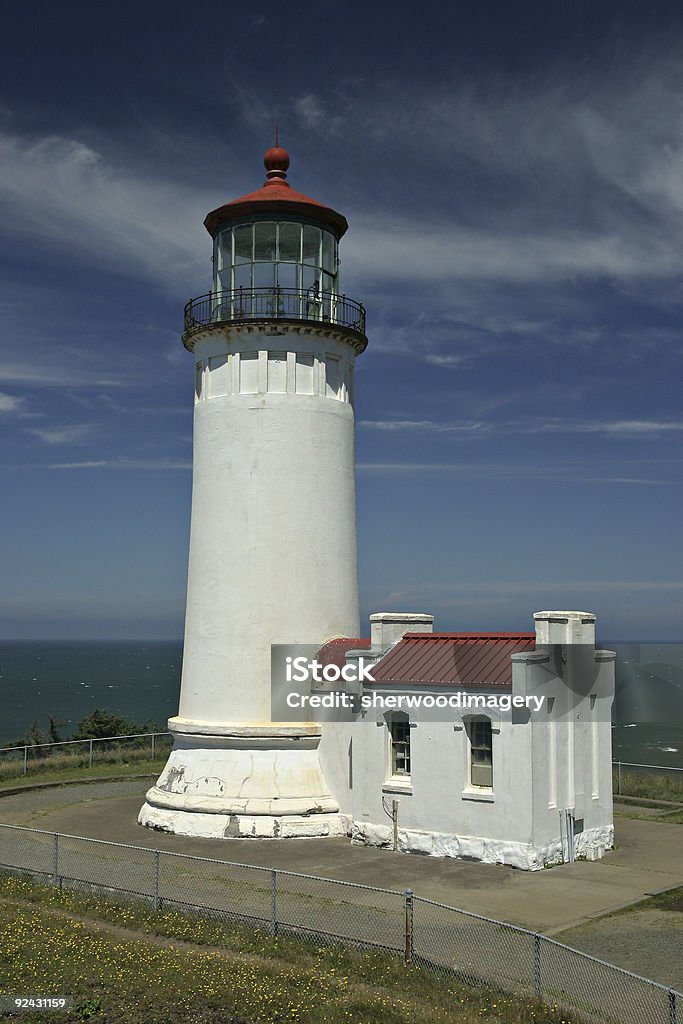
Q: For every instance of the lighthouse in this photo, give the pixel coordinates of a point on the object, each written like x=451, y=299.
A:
x=273, y=530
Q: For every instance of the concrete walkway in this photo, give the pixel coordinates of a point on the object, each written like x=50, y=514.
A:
x=648, y=859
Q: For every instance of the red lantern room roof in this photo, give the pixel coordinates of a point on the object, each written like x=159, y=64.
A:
x=277, y=197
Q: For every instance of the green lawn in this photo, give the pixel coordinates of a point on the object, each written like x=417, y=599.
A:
x=124, y=963
x=650, y=786
x=74, y=767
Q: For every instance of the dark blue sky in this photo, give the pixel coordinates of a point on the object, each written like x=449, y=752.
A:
x=513, y=179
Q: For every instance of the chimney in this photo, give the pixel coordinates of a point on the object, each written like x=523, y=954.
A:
x=564, y=628
x=388, y=627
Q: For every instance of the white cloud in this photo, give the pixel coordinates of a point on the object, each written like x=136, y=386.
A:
x=427, y=425
x=310, y=109
x=436, y=589
x=74, y=433
x=609, y=428
x=52, y=372
x=616, y=428
x=9, y=403
x=144, y=464
x=451, y=361
x=59, y=192
x=579, y=473
x=406, y=249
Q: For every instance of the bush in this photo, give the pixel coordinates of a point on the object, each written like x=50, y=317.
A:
x=100, y=724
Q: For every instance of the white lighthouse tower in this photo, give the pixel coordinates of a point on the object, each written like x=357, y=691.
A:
x=273, y=534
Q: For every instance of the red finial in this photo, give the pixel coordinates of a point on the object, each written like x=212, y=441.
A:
x=276, y=161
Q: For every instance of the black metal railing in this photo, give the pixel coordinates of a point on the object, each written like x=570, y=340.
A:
x=274, y=304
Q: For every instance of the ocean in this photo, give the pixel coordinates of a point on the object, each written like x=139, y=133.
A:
x=141, y=681
x=138, y=680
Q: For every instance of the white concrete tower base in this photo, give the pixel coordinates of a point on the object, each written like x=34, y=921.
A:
x=243, y=781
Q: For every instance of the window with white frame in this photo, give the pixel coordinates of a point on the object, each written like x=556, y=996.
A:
x=399, y=744
x=286, y=254
x=481, y=752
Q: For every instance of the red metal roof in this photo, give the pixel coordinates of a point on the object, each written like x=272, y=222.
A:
x=453, y=659
x=334, y=651
x=276, y=196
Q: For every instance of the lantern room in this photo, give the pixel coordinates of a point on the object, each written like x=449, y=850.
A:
x=276, y=253
x=276, y=256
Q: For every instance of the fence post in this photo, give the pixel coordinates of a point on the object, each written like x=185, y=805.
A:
x=409, y=926
x=537, y=965
x=155, y=902
x=672, y=1006
x=273, y=902
x=154, y=736
x=619, y=779
x=55, y=861
x=90, y=764
x=25, y=760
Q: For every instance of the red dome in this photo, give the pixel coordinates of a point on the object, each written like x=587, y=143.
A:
x=276, y=161
x=276, y=197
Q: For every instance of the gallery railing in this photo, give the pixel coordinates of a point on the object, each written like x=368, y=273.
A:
x=274, y=303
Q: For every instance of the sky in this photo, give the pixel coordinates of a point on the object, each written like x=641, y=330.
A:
x=512, y=175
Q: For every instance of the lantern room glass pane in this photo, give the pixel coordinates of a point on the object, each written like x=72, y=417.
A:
x=288, y=275
x=329, y=257
x=310, y=277
x=243, y=246
x=264, y=241
x=311, y=247
x=264, y=275
x=290, y=242
x=242, y=276
x=224, y=250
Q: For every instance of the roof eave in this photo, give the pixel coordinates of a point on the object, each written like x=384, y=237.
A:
x=310, y=211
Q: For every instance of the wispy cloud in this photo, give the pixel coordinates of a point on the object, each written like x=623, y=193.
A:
x=615, y=428
x=52, y=373
x=128, y=464
x=74, y=433
x=628, y=429
x=467, y=427
x=528, y=586
x=578, y=474
x=63, y=193
x=9, y=403
x=448, y=360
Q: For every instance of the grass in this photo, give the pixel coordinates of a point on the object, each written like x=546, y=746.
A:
x=648, y=788
x=674, y=817
x=671, y=899
x=124, y=964
x=651, y=786
x=65, y=767
x=132, y=760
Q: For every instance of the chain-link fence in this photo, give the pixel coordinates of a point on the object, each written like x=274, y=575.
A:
x=457, y=943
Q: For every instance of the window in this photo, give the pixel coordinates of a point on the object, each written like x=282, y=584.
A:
x=284, y=254
x=332, y=377
x=481, y=753
x=399, y=744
